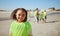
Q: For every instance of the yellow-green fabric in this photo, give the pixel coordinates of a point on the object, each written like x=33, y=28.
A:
x=35, y=13
x=41, y=15
x=44, y=13
x=20, y=29
x=28, y=14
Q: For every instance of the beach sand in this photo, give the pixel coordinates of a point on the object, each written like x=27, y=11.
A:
x=51, y=28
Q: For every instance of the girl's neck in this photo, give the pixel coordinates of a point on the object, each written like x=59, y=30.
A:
x=19, y=21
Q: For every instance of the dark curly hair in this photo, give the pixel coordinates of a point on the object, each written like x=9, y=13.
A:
x=13, y=14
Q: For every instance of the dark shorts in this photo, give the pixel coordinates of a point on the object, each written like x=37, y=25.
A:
x=41, y=19
x=37, y=18
x=45, y=17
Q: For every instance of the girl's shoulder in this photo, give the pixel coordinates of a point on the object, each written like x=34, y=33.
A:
x=13, y=22
x=27, y=23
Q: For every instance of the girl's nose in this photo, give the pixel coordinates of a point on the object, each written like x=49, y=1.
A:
x=21, y=16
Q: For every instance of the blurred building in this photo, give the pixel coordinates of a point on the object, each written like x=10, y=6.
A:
x=51, y=9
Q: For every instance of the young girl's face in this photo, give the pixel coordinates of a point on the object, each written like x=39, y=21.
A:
x=20, y=15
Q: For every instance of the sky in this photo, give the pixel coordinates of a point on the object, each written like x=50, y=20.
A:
x=29, y=4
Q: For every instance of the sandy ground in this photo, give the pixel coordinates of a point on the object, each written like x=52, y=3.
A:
x=51, y=28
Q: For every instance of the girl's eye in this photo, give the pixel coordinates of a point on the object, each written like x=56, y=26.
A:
x=19, y=14
x=23, y=15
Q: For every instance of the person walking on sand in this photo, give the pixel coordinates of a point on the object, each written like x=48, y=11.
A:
x=43, y=16
x=20, y=26
x=36, y=14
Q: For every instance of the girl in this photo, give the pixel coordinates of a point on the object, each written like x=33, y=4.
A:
x=19, y=26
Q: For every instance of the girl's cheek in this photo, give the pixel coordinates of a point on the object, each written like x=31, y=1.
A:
x=17, y=17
